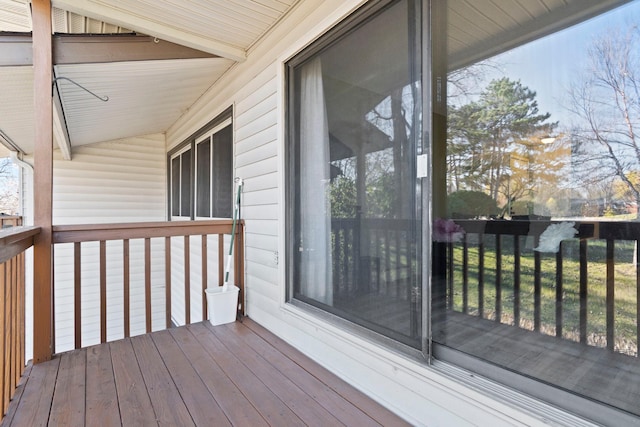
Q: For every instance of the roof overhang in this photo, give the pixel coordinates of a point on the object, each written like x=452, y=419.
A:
x=104, y=11
x=151, y=80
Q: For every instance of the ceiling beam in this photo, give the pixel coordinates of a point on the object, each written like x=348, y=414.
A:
x=100, y=11
x=95, y=48
x=16, y=49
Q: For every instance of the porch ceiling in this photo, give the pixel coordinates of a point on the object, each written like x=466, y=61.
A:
x=149, y=96
x=146, y=95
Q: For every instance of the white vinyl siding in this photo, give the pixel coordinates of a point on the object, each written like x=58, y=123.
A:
x=257, y=164
x=110, y=182
x=195, y=274
x=411, y=388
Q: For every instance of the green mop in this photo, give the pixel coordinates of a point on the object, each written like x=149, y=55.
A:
x=222, y=300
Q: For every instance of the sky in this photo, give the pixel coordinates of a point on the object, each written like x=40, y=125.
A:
x=563, y=55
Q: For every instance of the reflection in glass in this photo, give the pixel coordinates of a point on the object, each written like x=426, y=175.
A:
x=535, y=237
x=356, y=244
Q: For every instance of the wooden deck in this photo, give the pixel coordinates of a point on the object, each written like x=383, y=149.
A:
x=237, y=374
x=594, y=372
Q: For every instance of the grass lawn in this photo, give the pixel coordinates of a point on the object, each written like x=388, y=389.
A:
x=625, y=305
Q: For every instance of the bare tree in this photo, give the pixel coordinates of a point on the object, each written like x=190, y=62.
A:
x=606, y=99
x=9, y=200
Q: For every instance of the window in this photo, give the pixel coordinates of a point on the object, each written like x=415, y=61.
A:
x=214, y=175
x=181, y=184
x=201, y=172
x=529, y=206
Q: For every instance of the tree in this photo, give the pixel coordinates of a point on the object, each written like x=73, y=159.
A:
x=483, y=136
x=606, y=100
x=471, y=204
x=9, y=200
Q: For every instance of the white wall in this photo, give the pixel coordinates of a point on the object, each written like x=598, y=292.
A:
x=421, y=394
x=109, y=182
x=26, y=210
x=195, y=274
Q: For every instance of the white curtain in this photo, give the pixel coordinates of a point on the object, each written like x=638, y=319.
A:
x=315, y=210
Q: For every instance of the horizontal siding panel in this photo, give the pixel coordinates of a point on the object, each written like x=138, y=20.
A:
x=253, y=85
x=265, y=227
x=147, y=187
x=261, y=102
x=260, y=212
x=262, y=182
x=263, y=152
x=125, y=182
x=262, y=167
x=268, y=274
x=263, y=286
x=261, y=123
x=106, y=183
x=266, y=258
x=264, y=137
x=114, y=171
x=265, y=304
x=262, y=197
x=261, y=241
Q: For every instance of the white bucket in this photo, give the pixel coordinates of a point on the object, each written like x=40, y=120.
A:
x=222, y=306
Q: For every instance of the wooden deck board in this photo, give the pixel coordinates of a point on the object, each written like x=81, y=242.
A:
x=68, y=406
x=133, y=398
x=237, y=374
x=35, y=404
x=102, y=398
x=322, y=393
x=272, y=409
x=307, y=409
x=167, y=403
x=8, y=418
x=235, y=405
x=200, y=403
x=375, y=411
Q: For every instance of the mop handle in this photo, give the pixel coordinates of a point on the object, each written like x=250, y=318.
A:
x=233, y=233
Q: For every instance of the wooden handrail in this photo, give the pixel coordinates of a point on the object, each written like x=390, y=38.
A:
x=124, y=232
x=7, y=221
x=16, y=240
x=138, y=230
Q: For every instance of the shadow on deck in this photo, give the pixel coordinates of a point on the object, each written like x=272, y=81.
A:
x=236, y=374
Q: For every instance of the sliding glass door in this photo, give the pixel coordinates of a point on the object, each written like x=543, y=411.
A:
x=355, y=124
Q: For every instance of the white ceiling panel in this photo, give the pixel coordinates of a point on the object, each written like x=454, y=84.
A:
x=15, y=15
x=72, y=23
x=144, y=97
x=239, y=23
x=16, y=105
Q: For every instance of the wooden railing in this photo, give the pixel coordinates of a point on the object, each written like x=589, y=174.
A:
x=7, y=221
x=590, y=259
x=373, y=255
x=13, y=244
x=164, y=232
